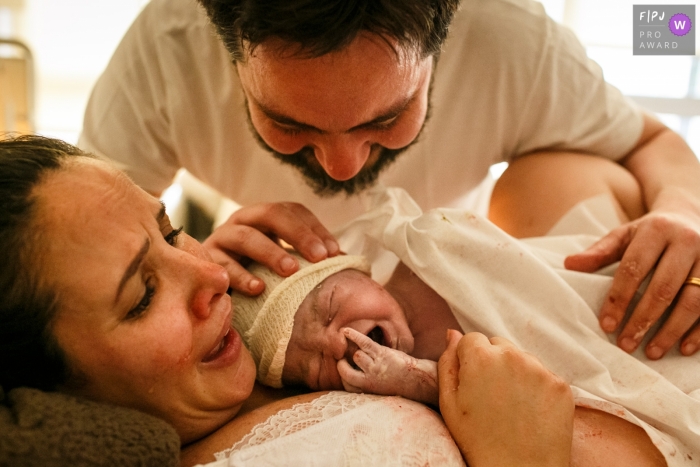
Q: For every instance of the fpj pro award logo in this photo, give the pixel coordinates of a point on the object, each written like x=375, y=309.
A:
x=664, y=29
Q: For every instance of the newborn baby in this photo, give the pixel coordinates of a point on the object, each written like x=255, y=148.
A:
x=330, y=326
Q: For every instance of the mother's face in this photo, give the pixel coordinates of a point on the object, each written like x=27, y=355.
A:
x=144, y=316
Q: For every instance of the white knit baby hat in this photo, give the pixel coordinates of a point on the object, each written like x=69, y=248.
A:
x=265, y=322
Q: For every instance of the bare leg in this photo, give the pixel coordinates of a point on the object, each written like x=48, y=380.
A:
x=537, y=189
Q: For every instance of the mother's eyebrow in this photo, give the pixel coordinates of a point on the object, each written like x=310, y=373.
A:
x=133, y=267
x=138, y=259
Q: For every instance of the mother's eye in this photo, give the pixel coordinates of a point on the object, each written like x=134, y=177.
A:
x=143, y=304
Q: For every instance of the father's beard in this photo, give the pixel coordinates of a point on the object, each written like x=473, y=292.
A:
x=323, y=184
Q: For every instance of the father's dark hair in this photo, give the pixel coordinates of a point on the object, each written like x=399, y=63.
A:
x=29, y=355
x=318, y=27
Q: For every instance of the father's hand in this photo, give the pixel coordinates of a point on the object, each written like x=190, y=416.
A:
x=667, y=239
x=251, y=233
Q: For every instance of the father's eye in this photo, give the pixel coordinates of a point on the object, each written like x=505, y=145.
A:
x=171, y=238
x=288, y=130
x=387, y=124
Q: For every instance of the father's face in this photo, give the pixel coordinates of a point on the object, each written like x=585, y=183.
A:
x=339, y=118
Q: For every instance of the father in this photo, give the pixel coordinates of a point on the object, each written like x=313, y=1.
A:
x=337, y=89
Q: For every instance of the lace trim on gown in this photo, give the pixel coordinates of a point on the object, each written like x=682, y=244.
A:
x=344, y=429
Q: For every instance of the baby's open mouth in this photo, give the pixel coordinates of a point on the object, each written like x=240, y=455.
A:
x=377, y=335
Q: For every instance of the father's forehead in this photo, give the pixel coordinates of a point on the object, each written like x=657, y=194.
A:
x=275, y=48
x=365, y=54
x=365, y=80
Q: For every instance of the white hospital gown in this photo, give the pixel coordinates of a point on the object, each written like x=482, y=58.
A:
x=341, y=429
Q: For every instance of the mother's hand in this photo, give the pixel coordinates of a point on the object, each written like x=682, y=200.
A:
x=251, y=233
x=667, y=239
x=502, y=406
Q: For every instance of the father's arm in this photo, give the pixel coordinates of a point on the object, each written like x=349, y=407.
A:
x=667, y=238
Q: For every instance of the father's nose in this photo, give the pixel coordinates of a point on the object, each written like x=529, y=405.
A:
x=343, y=156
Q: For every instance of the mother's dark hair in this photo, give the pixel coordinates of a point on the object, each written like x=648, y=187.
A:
x=318, y=27
x=29, y=355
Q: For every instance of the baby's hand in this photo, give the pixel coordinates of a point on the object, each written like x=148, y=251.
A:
x=388, y=371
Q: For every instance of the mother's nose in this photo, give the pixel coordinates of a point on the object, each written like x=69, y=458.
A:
x=210, y=283
x=342, y=156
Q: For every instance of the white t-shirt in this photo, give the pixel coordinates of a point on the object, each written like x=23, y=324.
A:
x=509, y=81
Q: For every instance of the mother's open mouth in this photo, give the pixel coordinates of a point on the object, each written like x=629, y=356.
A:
x=217, y=349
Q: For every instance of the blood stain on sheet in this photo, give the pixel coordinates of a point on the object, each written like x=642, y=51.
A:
x=472, y=218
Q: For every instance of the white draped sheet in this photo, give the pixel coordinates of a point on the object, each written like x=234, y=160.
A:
x=501, y=286
x=519, y=289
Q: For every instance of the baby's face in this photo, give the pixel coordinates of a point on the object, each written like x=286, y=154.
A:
x=351, y=299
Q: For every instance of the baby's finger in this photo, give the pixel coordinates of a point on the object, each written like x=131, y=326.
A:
x=350, y=377
x=363, y=361
x=363, y=342
x=350, y=388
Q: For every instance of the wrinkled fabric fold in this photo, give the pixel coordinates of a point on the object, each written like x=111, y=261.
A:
x=518, y=289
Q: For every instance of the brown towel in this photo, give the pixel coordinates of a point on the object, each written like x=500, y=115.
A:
x=52, y=429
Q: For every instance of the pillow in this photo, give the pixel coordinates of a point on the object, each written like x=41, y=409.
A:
x=52, y=429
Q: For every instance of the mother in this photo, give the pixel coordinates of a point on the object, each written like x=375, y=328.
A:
x=104, y=299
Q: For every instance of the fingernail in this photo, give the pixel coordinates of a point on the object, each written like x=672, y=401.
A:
x=654, y=352
x=332, y=247
x=628, y=344
x=288, y=264
x=609, y=324
x=318, y=251
x=254, y=284
x=689, y=348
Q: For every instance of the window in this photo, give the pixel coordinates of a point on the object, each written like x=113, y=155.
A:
x=71, y=41
x=666, y=85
